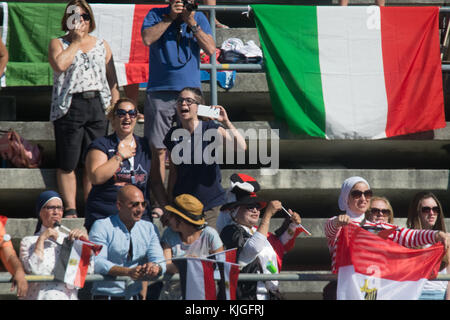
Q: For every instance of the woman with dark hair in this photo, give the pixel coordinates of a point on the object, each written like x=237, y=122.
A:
x=39, y=253
x=85, y=85
x=425, y=212
x=116, y=160
x=191, y=171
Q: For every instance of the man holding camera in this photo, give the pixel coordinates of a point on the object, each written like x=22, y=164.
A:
x=175, y=35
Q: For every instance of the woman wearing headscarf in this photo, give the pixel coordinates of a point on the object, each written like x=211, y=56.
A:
x=354, y=200
x=39, y=253
x=425, y=212
x=258, y=251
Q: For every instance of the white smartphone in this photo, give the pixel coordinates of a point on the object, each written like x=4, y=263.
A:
x=208, y=111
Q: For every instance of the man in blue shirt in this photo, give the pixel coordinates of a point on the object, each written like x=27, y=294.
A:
x=131, y=247
x=175, y=36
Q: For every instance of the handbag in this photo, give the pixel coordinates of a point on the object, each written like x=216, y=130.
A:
x=18, y=151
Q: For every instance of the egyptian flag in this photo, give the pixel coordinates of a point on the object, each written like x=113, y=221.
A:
x=196, y=278
x=227, y=273
x=372, y=268
x=73, y=261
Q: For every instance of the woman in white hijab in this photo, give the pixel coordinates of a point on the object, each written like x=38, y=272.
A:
x=354, y=200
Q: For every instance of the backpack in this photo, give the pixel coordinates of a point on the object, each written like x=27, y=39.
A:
x=18, y=151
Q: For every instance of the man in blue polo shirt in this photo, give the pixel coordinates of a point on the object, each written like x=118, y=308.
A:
x=175, y=35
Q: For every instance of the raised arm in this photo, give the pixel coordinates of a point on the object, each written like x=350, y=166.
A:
x=152, y=34
x=111, y=75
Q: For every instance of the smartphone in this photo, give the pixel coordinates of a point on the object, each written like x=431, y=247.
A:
x=208, y=111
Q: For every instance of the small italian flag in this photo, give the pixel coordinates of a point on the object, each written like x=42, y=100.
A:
x=356, y=72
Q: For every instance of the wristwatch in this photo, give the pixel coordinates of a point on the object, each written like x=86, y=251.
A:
x=195, y=28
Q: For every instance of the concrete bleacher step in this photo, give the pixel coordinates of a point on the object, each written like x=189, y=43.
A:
x=427, y=150
x=248, y=96
x=311, y=192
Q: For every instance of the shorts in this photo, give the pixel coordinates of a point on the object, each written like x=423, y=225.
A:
x=160, y=112
x=84, y=122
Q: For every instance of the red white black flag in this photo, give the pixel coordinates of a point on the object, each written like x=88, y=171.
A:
x=372, y=268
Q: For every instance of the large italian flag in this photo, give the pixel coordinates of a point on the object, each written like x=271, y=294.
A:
x=353, y=72
x=372, y=268
x=29, y=27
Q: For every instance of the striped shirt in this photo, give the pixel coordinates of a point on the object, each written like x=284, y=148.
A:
x=410, y=238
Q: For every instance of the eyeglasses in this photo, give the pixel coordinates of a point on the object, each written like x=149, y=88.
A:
x=86, y=16
x=384, y=212
x=137, y=203
x=188, y=101
x=121, y=113
x=356, y=194
x=428, y=209
x=55, y=208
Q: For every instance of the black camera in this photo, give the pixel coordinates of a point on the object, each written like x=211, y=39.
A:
x=190, y=5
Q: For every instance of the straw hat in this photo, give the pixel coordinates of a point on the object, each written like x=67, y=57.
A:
x=189, y=208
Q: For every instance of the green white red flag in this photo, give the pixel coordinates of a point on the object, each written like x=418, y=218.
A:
x=355, y=72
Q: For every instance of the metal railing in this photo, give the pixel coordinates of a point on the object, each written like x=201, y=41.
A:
x=213, y=66
x=288, y=276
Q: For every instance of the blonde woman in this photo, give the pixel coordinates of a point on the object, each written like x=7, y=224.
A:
x=380, y=211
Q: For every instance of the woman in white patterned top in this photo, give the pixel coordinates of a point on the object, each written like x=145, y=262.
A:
x=85, y=85
x=40, y=252
x=354, y=200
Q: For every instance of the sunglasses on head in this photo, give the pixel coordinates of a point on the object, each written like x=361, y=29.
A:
x=137, y=203
x=86, y=16
x=385, y=212
x=428, y=209
x=356, y=194
x=121, y=113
